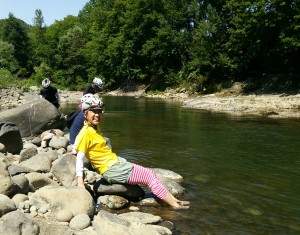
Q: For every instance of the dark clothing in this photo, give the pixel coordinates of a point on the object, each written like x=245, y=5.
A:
x=78, y=121
x=89, y=89
x=50, y=94
x=76, y=127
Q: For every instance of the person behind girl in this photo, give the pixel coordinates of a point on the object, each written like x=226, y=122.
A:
x=94, y=87
x=114, y=169
x=79, y=119
x=50, y=93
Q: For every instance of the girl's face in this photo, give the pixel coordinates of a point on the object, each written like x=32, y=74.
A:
x=93, y=116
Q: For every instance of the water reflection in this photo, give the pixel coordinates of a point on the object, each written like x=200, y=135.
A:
x=242, y=174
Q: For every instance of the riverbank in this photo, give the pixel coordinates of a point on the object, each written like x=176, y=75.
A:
x=228, y=101
x=232, y=101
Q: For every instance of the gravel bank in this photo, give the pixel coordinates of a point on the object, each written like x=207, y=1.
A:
x=273, y=106
x=269, y=105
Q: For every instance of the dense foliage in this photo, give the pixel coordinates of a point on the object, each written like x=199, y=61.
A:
x=162, y=43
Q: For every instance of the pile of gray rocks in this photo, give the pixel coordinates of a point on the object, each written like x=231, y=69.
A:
x=38, y=194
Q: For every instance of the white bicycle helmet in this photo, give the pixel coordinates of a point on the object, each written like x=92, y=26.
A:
x=46, y=82
x=89, y=101
x=98, y=82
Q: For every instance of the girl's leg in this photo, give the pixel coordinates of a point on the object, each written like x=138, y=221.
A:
x=142, y=175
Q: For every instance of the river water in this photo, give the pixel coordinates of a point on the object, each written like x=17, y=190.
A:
x=241, y=174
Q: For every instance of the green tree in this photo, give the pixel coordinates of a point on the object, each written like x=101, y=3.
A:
x=286, y=54
x=53, y=35
x=165, y=43
x=71, y=56
x=7, y=60
x=208, y=60
x=15, y=34
x=264, y=36
x=104, y=51
x=137, y=40
x=38, y=38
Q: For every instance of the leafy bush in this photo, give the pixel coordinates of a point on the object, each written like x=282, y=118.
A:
x=41, y=72
x=25, y=84
x=9, y=80
x=6, y=78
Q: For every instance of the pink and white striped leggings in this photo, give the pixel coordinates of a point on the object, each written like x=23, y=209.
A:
x=143, y=175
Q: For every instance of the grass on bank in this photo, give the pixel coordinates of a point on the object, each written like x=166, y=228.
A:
x=7, y=79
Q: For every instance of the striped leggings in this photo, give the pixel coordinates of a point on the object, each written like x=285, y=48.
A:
x=143, y=175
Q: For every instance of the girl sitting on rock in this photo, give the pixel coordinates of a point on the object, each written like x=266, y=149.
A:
x=92, y=145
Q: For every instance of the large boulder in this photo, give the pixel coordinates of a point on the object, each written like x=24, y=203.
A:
x=38, y=180
x=64, y=170
x=114, y=224
x=10, y=136
x=22, y=184
x=6, y=205
x=7, y=186
x=35, y=117
x=38, y=163
x=129, y=191
x=17, y=222
x=72, y=198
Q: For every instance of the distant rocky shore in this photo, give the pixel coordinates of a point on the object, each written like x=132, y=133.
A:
x=231, y=101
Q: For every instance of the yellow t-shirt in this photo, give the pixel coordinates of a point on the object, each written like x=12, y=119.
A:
x=94, y=146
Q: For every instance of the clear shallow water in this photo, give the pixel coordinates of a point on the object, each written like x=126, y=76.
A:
x=242, y=174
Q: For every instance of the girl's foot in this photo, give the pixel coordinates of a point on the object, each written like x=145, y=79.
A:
x=180, y=206
x=183, y=203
